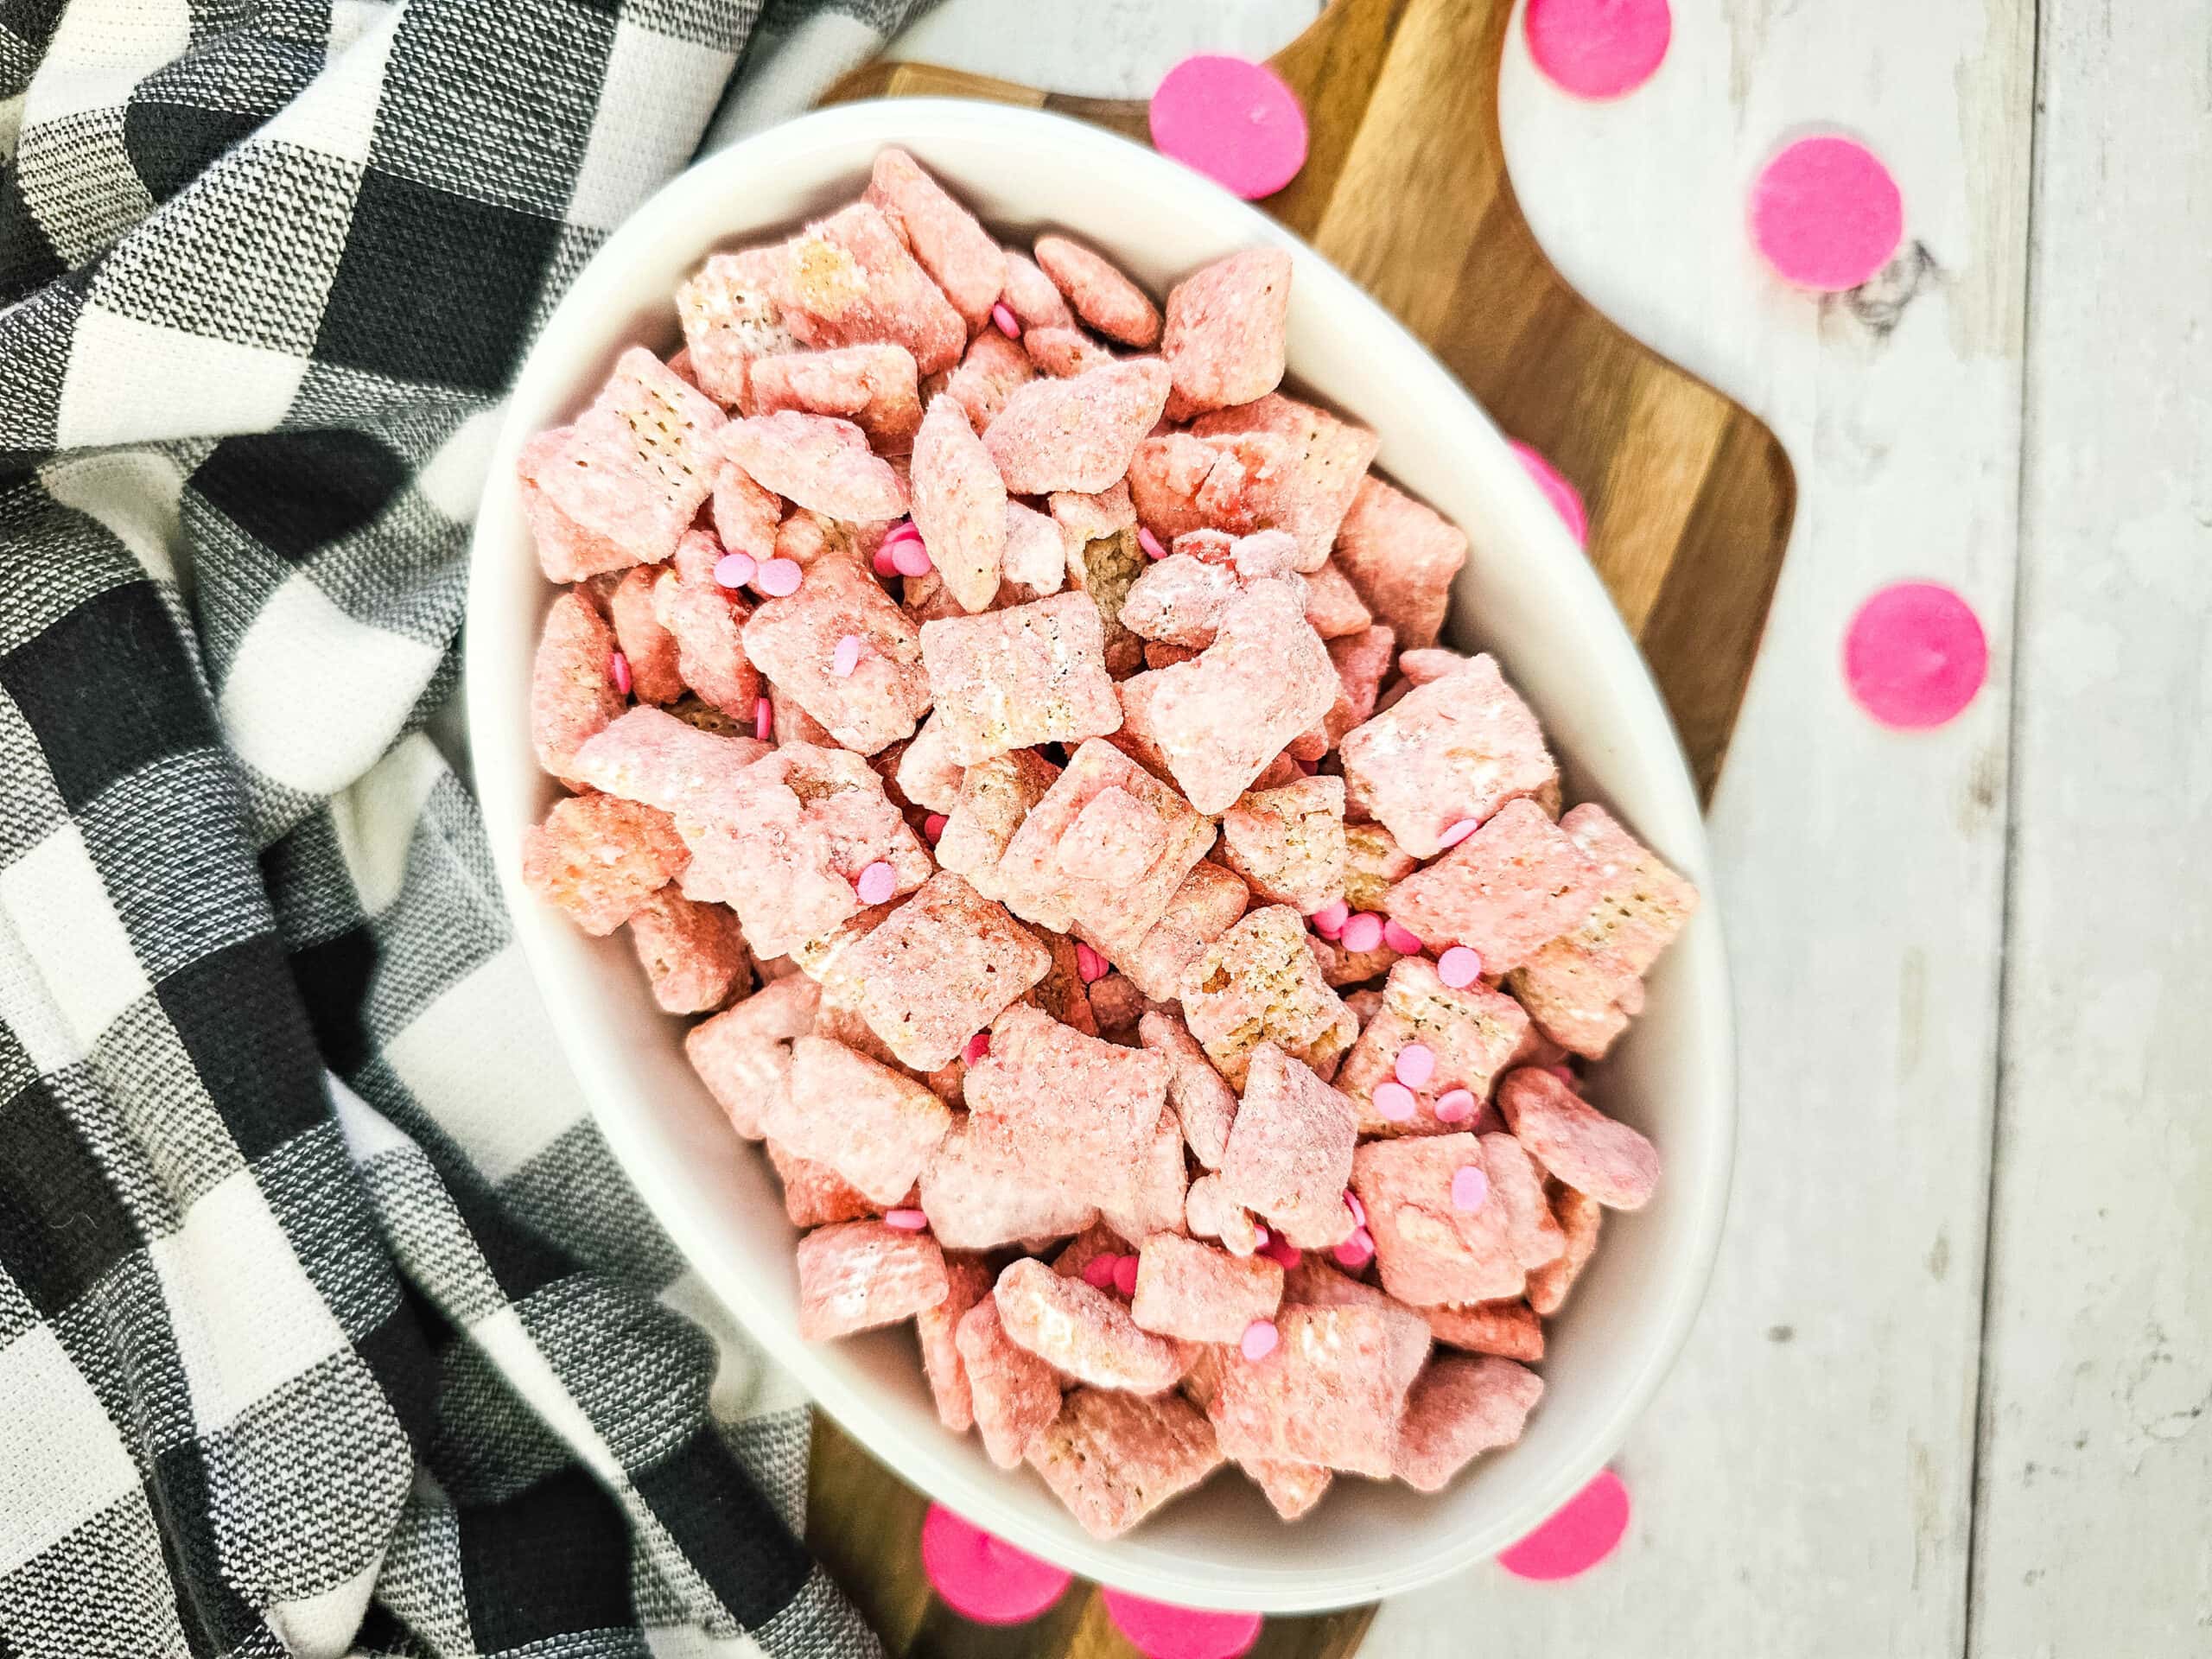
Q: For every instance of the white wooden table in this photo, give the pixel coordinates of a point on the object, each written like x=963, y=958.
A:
x=1952, y=1390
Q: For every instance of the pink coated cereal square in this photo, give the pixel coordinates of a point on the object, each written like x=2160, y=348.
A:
x=1314, y=1283
x=1470, y=1033
x=1033, y=556
x=1508, y=1328
x=968, y=1282
x=1402, y=558
x=858, y=1274
x=1093, y=515
x=707, y=624
x=1112, y=1459
x=1206, y=1106
x=1084, y=1109
x=1515, y=884
x=1518, y=1186
x=989, y=374
x=1597, y=1156
x=1148, y=1197
x=1156, y=655
x=1460, y=1408
x=924, y=773
x=1204, y=907
x=1428, y=1250
x=1179, y=600
x=744, y=1053
x=1083, y=1331
x=817, y=460
x=1641, y=903
x=1310, y=491
x=1290, y=1151
x=1031, y=296
x=1015, y=678
x=1454, y=749
x=794, y=641
x=1332, y=606
x=1421, y=663
x=636, y=465
x=1202, y=1294
x=1340, y=967
x=1012, y=1393
x=816, y=1195
x=1100, y=295
x=873, y=1126
x=1224, y=341
x=1578, y=1216
x=874, y=387
x=649, y=648
x=694, y=955
x=1115, y=838
x=1331, y=1393
x=849, y=280
x=1079, y=433
x=956, y=252
x=1061, y=353
x=996, y=796
x=1581, y=999
x=1289, y=843
x=1167, y=475
x=732, y=314
x=654, y=756
x=1291, y=1489
x=600, y=858
x=1373, y=859
x=566, y=551
x=982, y=1190
x=1116, y=1005
x=1361, y=660
x=572, y=695
x=1258, y=983
x=959, y=504
x=1209, y=1212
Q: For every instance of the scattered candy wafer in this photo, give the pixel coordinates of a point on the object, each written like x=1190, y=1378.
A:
x=1826, y=213
x=1566, y=499
x=980, y=1576
x=1597, y=49
x=1579, y=1535
x=1914, y=655
x=1231, y=119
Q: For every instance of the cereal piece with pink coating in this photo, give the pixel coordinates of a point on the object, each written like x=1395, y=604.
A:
x=1578, y=1216
x=1430, y=1250
x=1115, y=838
x=1205, y=906
x=1083, y=1331
x=874, y=387
x=940, y=969
x=817, y=460
x=795, y=642
x=1205, y=1104
x=1114, y=1457
x=1259, y=984
x=1402, y=559
x=1209, y=1212
x=653, y=756
x=1579, y=998
x=1180, y=600
x=1422, y=664
x=1167, y=474
x=980, y=1190
x=1361, y=660
x=849, y=280
x=1093, y=515
x=1289, y=843
x=1508, y=1328
x=1031, y=296
x=968, y=1282
x=694, y=955
x=1033, y=557
x=959, y=504
x=1373, y=859
x=1292, y=1489
x=566, y=551
x=601, y=858
x=956, y=251
x=1309, y=477
x=1193, y=1291
x=1012, y=679
x=924, y=773
x=996, y=796
x=1082, y=1111
x=1102, y=296
x=1329, y=1393
x=1469, y=1035
x=744, y=1054
x=1332, y=606
x=989, y=374
x=816, y=1195
x=1079, y=433
x=1459, y=1409
x=1340, y=967
x=1454, y=750
x=873, y=1126
x=1517, y=1186
x=649, y=648
x=1597, y=1156
x=1224, y=336
x=1314, y=1283
x=1290, y=1152
x=731, y=315
x=708, y=622
x=1061, y=353
x=572, y=693
x=858, y=1274
x=1012, y=1392
x=1149, y=1199
x=1512, y=886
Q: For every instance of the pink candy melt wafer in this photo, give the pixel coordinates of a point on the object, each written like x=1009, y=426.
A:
x=1098, y=1271
x=763, y=720
x=1470, y=1188
x=618, y=671
x=1355, y=1252
x=906, y=1221
x=933, y=827
x=1459, y=832
x=1915, y=656
x=1597, y=49
x=1259, y=1339
x=911, y=557
x=1004, y=321
x=1150, y=544
x=1826, y=213
x=1393, y=1101
x=1233, y=120
x=981, y=1577
x=1125, y=1274
x=1581, y=1534
x=1566, y=499
x=1455, y=1106
x=847, y=656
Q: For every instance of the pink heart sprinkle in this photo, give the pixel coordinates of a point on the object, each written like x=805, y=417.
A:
x=1459, y=832
x=1455, y=1106
x=1125, y=1274
x=1394, y=1102
x=1826, y=213
x=1417, y=1065
x=618, y=670
x=1329, y=921
x=933, y=827
x=1583, y=1532
x=1402, y=939
x=1160, y=1631
x=1004, y=321
x=906, y=1221
x=780, y=578
x=983, y=1578
x=1355, y=1252
x=1260, y=1339
x=1232, y=120
x=1470, y=1188
x=1362, y=932
x=846, y=657
x=911, y=557
x=1915, y=656
x=735, y=569
x=1597, y=49
x=977, y=1046
x=877, y=883
x=1088, y=964
x=764, y=719
x=1098, y=1271
x=1459, y=967
x=1150, y=544
x=1359, y=1210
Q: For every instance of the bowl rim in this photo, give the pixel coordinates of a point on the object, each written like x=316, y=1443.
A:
x=959, y=1482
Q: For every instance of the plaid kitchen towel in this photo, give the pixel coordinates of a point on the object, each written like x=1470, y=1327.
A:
x=327, y=1324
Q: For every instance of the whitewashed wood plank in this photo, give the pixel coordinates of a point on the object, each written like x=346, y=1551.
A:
x=2094, y=1530
x=1099, y=48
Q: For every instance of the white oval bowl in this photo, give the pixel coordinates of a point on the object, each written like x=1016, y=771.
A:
x=1526, y=593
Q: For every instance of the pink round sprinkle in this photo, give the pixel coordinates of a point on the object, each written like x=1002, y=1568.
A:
x=1459, y=831
x=1125, y=1274
x=1260, y=1339
x=1233, y=120
x=618, y=670
x=1393, y=1101
x=1089, y=964
x=764, y=719
x=1359, y=1210
x=1280, y=1251
x=1565, y=1074
x=911, y=558
x=1597, y=49
x=904, y=531
x=1400, y=938
x=1417, y=1065
x=1355, y=1252
x=1004, y=321
x=1566, y=499
x=1581, y=1534
x=1459, y=967
x=1455, y=1106
x=1098, y=1271
x=1160, y=1631
x=1329, y=921
x=778, y=578
x=846, y=656
x=884, y=563
x=1826, y=213
x=977, y=1046
x=933, y=827
x=906, y=1221
x=1915, y=656
x=735, y=569
x=1364, y=932
x=877, y=883
x=1150, y=544
x=983, y=1578
x=1470, y=1187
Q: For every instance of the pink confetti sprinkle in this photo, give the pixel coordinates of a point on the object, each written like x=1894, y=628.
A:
x=764, y=719
x=1004, y=321
x=877, y=883
x=1393, y=1101
x=1329, y=921
x=735, y=569
x=1566, y=499
x=1231, y=119
x=983, y=1578
x=1827, y=214
x=1089, y=965
x=1098, y=1271
x=1417, y=1065
x=906, y=1221
x=1359, y=1210
x=1160, y=1631
x=904, y=531
x=1355, y=1252
x=1260, y=1339
x=1597, y=49
x=1459, y=967
x=1362, y=932
x=1125, y=1274
x=846, y=656
x=1586, y=1530
x=1915, y=656
x=911, y=557
x=1455, y=1106
x=977, y=1046
x=1459, y=831
x=1150, y=544
x=1280, y=1251
x=618, y=670
x=933, y=827
x=780, y=578
x=1470, y=1188
x=1565, y=1074
x=1401, y=938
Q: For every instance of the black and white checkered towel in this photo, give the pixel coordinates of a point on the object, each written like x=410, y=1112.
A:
x=327, y=1324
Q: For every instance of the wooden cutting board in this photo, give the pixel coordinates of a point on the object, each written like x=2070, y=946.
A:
x=1690, y=500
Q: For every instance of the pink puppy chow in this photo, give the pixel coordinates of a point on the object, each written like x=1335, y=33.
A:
x=1456, y=749
x=982, y=1189
x=744, y=1054
x=1012, y=1393
x=1084, y=1109
x=1578, y=1217
x=1205, y=906
x=1289, y=843
x=956, y=251
x=946, y=964
x=1361, y=660
x=1314, y=1283
x=707, y=624
x=850, y=280
x=1031, y=296
x=1205, y=1104
x=1209, y=1212
x=634, y=466
x=996, y=796
x=873, y=1126
x=796, y=641
x=1083, y=1332
x=874, y=387
x=572, y=695
x=1372, y=861
x=731, y=316
x=1165, y=476
x=1332, y=606
x=937, y=1329
x=1429, y=1249
x=1015, y=678
x=694, y=955
x=988, y=376
x=1292, y=1489
x=959, y=504
x=600, y=858
x=1102, y=296
x=816, y=1195
x=1459, y=1410
x=1595, y=1154
x=1219, y=720
x=1290, y=1152
x=1331, y=1393
x=1470, y=1034
x=818, y=461
x=1402, y=558
x=1076, y=434
x=1115, y=838
x=1515, y=884
x=1065, y=352
x=1310, y=487
x=1033, y=555
x=1194, y=1291
x=1420, y=665
x=1508, y=1328
x=1180, y=600
x=1259, y=983
x=1148, y=1197
x=1516, y=1186
x=651, y=755
x=1112, y=1458
x=924, y=773
x=1223, y=342
x=649, y=648
x=859, y=1274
